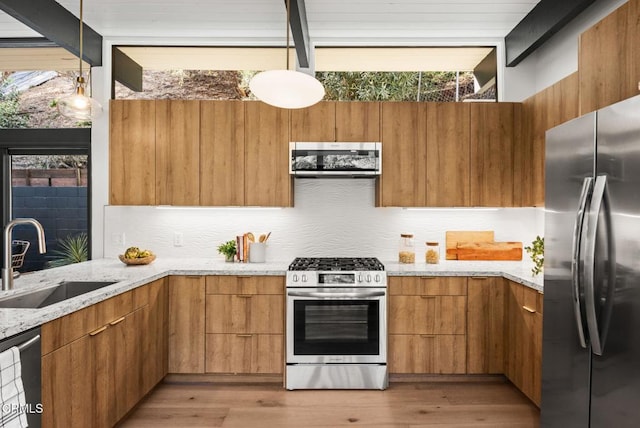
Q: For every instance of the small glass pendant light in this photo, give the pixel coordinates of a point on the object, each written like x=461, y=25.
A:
x=78, y=105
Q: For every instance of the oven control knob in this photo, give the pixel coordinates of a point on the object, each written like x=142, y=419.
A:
x=304, y=278
x=359, y=278
x=368, y=278
x=295, y=278
x=377, y=278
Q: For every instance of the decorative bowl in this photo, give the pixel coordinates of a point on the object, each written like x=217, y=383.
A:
x=138, y=261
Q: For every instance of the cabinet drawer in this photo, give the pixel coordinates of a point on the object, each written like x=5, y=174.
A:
x=244, y=353
x=245, y=284
x=427, y=314
x=245, y=313
x=423, y=353
x=68, y=328
x=428, y=285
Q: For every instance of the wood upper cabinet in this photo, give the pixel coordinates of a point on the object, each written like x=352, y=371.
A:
x=493, y=139
x=427, y=324
x=403, y=180
x=132, y=148
x=608, y=59
x=245, y=324
x=315, y=123
x=523, y=326
x=177, y=152
x=358, y=121
x=186, y=324
x=221, y=153
x=485, y=325
x=267, y=180
x=448, y=170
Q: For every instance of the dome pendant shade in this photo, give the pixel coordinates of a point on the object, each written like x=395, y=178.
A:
x=77, y=105
x=286, y=88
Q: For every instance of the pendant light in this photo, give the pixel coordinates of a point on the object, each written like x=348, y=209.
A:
x=78, y=105
x=287, y=88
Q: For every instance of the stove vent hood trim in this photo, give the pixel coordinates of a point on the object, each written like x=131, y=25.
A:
x=329, y=149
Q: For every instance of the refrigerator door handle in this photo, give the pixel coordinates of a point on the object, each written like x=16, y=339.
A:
x=598, y=331
x=576, y=257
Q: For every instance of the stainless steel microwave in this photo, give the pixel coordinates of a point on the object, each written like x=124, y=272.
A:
x=320, y=159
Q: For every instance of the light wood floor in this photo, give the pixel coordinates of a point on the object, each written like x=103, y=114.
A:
x=492, y=403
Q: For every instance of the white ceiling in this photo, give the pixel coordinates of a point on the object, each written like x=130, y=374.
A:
x=262, y=22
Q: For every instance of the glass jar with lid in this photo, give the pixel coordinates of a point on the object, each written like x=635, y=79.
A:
x=407, y=249
x=432, y=253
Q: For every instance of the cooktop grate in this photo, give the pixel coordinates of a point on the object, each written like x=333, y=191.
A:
x=336, y=264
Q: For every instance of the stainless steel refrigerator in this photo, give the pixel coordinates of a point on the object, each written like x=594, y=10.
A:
x=591, y=330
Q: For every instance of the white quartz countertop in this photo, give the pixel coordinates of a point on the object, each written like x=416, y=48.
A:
x=14, y=321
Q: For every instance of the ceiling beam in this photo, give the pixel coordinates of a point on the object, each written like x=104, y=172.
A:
x=300, y=31
x=125, y=70
x=57, y=24
x=26, y=42
x=544, y=20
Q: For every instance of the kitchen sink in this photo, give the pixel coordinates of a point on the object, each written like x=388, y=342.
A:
x=48, y=296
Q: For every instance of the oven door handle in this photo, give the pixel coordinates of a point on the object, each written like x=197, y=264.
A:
x=322, y=295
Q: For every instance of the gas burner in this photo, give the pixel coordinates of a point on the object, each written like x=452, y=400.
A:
x=336, y=264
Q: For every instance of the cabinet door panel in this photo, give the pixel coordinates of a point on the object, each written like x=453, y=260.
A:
x=415, y=354
x=430, y=286
x=68, y=387
x=485, y=325
x=227, y=313
x=427, y=314
x=268, y=354
x=315, y=123
x=178, y=152
x=222, y=153
x=254, y=284
x=492, y=144
x=448, y=155
x=186, y=324
x=402, y=183
x=358, y=121
x=266, y=314
x=267, y=180
x=132, y=148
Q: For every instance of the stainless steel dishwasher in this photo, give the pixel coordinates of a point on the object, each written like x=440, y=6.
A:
x=28, y=343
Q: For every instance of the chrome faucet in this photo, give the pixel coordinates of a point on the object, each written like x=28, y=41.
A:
x=7, y=270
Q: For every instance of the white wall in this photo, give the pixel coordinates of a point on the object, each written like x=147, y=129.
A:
x=332, y=217
x=556, y=58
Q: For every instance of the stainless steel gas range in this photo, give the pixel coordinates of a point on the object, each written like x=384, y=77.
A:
x=336, y=334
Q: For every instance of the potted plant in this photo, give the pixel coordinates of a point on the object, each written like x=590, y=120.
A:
x=536, y=252
x=228, y=249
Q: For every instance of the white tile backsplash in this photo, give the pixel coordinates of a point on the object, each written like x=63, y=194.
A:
x=331, y=217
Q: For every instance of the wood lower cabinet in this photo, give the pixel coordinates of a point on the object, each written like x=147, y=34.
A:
x=245, y=324
x=523, y=328
x=186, y=324
x=96, y=362
x=427, y=324
x=485, y=325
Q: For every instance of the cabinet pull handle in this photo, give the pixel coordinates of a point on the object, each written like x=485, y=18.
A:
x=244, y=335
x=528, y=309
x=427, y=336
x=98, y=331
x=481, y=278
x=244, y=296
x=243, y=276
x=428, y=277
x=193, y=276
x=427, y=297
x=118, y=321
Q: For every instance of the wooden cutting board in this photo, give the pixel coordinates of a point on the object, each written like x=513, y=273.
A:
x=453, y=237
x=489, y=250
